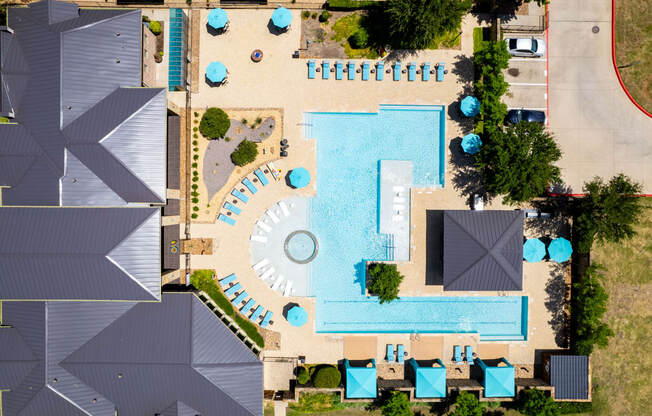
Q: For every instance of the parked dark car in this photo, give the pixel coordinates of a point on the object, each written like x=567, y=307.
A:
x=516, y=116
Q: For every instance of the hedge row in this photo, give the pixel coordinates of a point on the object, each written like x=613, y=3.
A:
x=351, y=4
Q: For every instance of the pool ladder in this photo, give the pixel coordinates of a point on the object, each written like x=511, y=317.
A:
x=389, y=247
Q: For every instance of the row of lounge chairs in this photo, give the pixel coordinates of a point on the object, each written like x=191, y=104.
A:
x=400, y=354
x=365, y=70
x=266, y=272
x=274, y=216
x=468, y=355
x=233, y=290
x=230, y=206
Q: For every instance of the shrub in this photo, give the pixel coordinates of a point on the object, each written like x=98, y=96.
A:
x=195, y=173
x=243, y=121
x=195, y=129
x=314, y=16
x=246, y=152
x=259, y=120
x=324, y=16
x=195, y=208
x=195, y=178
x=397, y=405
x=302, y=375
x=534, y=402
x=195, y=142
x=384, y=281
x=194, y=193
x=195, y=200
x=467, y=404
x=193, y=216
x=327, y=377
x=195, y=157
x=194, y=164
x=351, y=4
x=196, y=114
x=359, y=39
x=194, y=186
x=590, y=305
x=155, y=27
x=195, y=136
x=214, y=123
x=305, y=14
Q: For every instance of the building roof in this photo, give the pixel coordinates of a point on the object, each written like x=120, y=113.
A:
x=80, y=253
x=172, y=358
x=483, y=250
x=79, y=135
x=360, y=381
x=569, y=375
x=174, y=155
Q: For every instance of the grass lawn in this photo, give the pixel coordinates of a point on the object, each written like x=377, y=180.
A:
x=621, y=371
x=634, y=44
x=343, y=28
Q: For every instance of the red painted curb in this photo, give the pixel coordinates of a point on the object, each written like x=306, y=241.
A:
x=613, y=59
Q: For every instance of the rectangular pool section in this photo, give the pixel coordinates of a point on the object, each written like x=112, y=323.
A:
x=344, y=217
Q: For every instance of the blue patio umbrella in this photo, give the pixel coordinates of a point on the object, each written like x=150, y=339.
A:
x=534, y=250
x=217, y=18
x=299, y=177
x=560, y=250
x=297, y=316
x=216, y=72
x=471, y=143
x=282, y=17
x=470, y=106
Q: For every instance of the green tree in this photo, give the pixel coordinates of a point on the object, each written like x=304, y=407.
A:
x=608, y=212
x=359, y=39
x=413, y=24
x=590, y=305
x=327, y=377
x=384, y=281
x=534, y=402
x=490, y=87
x=467, y=404
x=155, y=27
x=396, y=405
x=245, y=153
x=518, y=162
x=214, y=123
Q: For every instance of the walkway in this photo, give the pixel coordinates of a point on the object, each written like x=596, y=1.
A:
x=600, y=131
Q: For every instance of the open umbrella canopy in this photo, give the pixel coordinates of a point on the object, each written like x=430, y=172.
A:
x=217, y=18
x=299, y=177
x=216, y=72
x=361, y=382
x=470, y=106
x=471, y=143
x=534, y=250
x=282, y=17
x=297, y=316
x=560, y=250
x=499, y=381
x=430, y=382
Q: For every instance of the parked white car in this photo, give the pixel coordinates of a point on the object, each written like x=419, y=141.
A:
x=528, y=47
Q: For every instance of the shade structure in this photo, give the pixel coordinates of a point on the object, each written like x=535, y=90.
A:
x=470, y=106
x=534, y=250
x=216, y=72
x=471, y=143
x=560, y=250
x=282, y=17
x=498, y=381
x=430, y=382
x=217, y=18
x=360, y=381
x=299, y=177
x=297, y=316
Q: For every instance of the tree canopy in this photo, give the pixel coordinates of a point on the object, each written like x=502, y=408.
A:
x=384, y=281
x=467, y=404
x=396, y=405
x=245, y=153
x=413, y=24
x=518, y=162
x=214, y=123
x=534, y=402
x=490, y=86
x=608, y=212
x=590, y=305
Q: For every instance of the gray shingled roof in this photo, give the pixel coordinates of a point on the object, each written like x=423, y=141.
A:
x=569, y=374
x=174, y=357
x=80, y=253
x=483, y=250
x=79, y=136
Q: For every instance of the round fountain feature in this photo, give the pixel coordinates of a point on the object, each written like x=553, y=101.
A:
x=301, y=247
x=257, y=55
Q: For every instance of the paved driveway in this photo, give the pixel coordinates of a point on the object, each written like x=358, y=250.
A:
x=598, y=129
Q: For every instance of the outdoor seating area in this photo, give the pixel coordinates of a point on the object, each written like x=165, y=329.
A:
x=234, y=291
x=559, y=250
x=364, y=68
x=230, y=208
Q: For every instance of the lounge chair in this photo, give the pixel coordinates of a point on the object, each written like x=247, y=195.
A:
x=398, y=189
x=233, y=289
x=412, y=71
x=398, y=218
x=242, y=296
x=232, y=208
x=288, y=288
x=258, y=266
x=468, y=354
x=228, y=279
x=264, y=226
x=284, y=208
x=258, y=238
x=457, y=354
x=351, y=70
x=380, y=71
x=278, y=282
x=261, y=177
x=440, y=72
x=397, y=71
x=256, y=313
x=268, y=273
x=339, y=70
x=266, y=319
x=400, y=353
x=272, y=168
x=390, y=353
x=399, y=200
x=426, y=72
x=226, y=219
x=242, y=197
x=247, y=307
x=399, y=207
x=246, y=182
x=273, y=216
x=365, y=71
x=311, y=69
x=325, y=69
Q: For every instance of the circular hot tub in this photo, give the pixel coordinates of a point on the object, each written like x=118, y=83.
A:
x=257, y=55
x=301, y=247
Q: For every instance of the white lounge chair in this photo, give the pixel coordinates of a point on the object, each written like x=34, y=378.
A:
x=268, y=273
x=258, y=266
x=399, y=200
x=399, y=207
x=288, y=288
x=284, y=208
x=273, y=216
x=259, y=238
x=278, y=282
x=398, y=189
x=397, y=218
x=264, y=226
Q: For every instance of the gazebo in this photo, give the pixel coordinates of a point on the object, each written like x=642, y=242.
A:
x=360, y=381
x=430, y=382
x=497, y=381
x=281, y=18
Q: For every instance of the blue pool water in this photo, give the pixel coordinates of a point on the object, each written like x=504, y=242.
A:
x=344, y=218
x=176, y=73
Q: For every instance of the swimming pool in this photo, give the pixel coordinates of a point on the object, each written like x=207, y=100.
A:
x=344, y=218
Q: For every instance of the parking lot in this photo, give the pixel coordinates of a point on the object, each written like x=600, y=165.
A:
x=527, y=78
